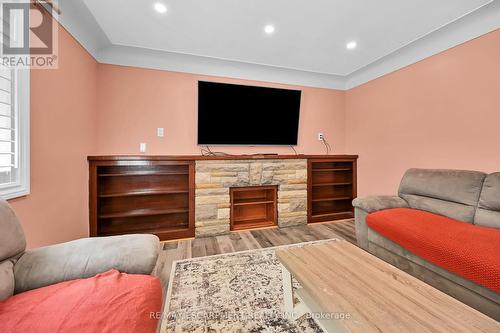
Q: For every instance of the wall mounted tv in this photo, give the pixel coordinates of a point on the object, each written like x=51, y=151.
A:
x=230, y=114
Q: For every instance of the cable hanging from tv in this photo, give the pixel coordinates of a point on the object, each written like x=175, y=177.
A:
x=208, y=152
x=327, y=145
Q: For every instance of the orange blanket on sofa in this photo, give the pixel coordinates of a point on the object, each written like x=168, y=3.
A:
x=108, y=302
x=470, y=251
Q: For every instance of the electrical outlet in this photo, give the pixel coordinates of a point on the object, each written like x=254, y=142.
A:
x=160, y=132
x=142, y=147
x=321, y=136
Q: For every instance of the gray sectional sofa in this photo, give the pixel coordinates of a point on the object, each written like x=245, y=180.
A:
x=468, y=196
x=22, y=270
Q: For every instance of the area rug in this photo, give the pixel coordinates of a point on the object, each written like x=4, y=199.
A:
x=236, y=292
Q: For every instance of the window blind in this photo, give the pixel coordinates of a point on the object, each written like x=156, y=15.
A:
x=9, y=168
x=14, y=116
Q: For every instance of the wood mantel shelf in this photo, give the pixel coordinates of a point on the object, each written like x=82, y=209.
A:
x=201, y=157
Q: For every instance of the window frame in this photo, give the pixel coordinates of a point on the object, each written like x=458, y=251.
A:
x=22, y=102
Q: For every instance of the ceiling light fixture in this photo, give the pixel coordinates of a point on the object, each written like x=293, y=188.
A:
x=160, y=8
x=351, y=45
x=269, y=29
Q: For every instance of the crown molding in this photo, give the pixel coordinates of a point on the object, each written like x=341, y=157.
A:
x=177, y=62
x=79, y=22
x=482, y=21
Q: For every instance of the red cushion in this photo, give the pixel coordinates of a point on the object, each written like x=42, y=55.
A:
x=108, y=302
x=467, y=250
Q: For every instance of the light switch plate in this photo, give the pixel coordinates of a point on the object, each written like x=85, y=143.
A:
x=160, y=132
x=142, y=147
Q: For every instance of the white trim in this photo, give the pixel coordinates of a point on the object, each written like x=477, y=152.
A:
x=78, y=20
x=286, y=280
x=80, y=23
x=476, y=24
x=420, y=37
x=22, y=98
x=186, y=63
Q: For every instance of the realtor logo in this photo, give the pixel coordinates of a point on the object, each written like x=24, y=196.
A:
x=29, y=34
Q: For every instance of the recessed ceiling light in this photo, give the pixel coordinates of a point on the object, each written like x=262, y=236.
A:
x=351, y=45
x=269, y=29
x=160, y=8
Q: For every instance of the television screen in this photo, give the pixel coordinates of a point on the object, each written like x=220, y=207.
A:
x=230, y=114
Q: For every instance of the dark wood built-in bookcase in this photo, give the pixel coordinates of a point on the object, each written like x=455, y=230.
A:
x=156, y=194
x=253, y=207
x=142, y=197
x=331, y=189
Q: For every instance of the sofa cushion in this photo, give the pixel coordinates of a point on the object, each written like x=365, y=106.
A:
x=461, y=248
x=374, y=203
x=108, y=302
x=86, y=257
x=12, y=241
x=488, y=210
x=6, y=279
x=453, y=193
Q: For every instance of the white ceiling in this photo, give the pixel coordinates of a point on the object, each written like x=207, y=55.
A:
x=310, y=35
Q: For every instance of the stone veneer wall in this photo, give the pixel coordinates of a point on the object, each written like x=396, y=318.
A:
x=214, y=178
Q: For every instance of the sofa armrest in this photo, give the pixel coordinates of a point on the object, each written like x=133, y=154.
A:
x=367, y=205
x=380, y=202
x=83, y=258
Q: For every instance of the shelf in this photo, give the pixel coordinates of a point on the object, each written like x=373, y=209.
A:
x=331, y=199
x=323, y=215
x=109, y=232
x=143, y=173
x=144, y=212
x=253, y=207
x=332, y=184
x=331, y=169
x=252, y=223
x=252, y=201
x=142, y=193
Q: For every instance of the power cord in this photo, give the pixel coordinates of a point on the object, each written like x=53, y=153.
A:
x=208, y=152
x=293, y=148
x=327, y=145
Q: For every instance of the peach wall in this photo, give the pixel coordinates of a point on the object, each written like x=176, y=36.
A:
x=133, y=102
x=443, y=112
x=63, y=118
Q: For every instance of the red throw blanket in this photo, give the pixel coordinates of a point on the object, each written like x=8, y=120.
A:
x=108, y=302
x=470, y=251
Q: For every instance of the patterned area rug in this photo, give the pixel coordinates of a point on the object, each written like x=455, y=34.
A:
x=237, y=292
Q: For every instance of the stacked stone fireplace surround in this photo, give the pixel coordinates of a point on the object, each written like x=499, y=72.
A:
x=214, y=178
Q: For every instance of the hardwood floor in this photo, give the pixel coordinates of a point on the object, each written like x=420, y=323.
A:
x=248, y=240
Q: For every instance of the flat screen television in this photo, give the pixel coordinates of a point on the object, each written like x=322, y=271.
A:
x=230, y=114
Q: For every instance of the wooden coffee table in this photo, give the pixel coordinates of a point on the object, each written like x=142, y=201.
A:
x=348, y=290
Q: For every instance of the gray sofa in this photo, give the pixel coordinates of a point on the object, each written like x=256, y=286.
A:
x=469, y=196
x=22, y=270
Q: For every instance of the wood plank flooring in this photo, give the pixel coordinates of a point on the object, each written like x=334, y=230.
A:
x=248, y=240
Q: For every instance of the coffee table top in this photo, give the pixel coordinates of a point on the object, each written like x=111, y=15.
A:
x=342, y=278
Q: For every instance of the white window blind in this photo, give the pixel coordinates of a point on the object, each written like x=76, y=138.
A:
x=14, y=123
x=9, y=142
